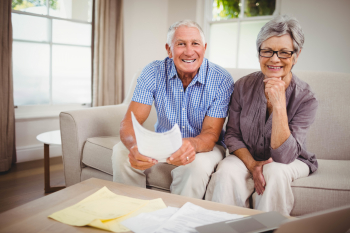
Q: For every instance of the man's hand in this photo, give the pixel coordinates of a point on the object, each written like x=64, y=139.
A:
x=185, y=155
x=258, y=177
x=275, y=89
x=140, y=161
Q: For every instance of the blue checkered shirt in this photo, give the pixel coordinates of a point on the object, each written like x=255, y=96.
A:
x=208, y=94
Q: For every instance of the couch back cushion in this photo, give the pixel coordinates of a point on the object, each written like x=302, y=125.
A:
x=329, y=135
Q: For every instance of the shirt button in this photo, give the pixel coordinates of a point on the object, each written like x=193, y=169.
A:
x=261, y=144
x=262, y=135
x=183, y=127
x=183, y=109
x=182, y=90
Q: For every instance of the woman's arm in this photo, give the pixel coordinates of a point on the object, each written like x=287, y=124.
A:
x=287, y=138
x=275, y=89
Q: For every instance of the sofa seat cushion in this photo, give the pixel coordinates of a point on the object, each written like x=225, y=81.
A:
x=98, y=151
x=328, y=187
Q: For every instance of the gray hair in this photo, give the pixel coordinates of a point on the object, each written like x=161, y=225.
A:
x=279, y=26
x=186, y=23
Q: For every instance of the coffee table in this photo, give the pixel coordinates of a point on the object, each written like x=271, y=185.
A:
x=32, y=217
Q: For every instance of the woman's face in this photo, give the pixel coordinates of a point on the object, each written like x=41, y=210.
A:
x=275, y=67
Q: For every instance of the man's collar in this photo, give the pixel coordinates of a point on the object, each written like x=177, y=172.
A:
x=200, y=76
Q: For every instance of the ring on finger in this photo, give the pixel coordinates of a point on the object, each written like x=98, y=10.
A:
x=187, y=158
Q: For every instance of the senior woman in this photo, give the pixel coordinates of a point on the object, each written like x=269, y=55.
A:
x=269, y=115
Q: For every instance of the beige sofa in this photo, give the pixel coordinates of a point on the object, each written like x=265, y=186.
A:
x=89, y=135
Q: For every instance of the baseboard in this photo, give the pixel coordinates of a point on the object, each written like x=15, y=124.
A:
x=35, y=152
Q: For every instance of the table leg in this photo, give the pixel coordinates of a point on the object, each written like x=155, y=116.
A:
x=48, y=188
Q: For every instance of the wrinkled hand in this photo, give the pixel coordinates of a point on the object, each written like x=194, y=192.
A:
x=140, y=161
x=187, y=150
x=275, y=91
x=258, y=177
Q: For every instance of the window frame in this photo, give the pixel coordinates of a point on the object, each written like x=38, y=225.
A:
x=208, y=21
x=50, y=110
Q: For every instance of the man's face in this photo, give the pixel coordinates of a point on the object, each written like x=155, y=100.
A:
x=187, y=51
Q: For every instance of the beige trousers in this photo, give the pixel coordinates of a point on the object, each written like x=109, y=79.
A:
x=233, y=184
x=190, y=180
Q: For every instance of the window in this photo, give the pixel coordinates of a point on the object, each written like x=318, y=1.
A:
x=232, y=35
x=51, y=52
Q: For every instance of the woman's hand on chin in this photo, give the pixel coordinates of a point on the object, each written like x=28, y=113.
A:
x=275, y=92
x=258, y=177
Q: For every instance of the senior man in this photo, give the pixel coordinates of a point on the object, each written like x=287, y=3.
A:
x=187, y=90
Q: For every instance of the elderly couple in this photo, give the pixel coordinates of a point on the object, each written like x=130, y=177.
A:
x=270, y=112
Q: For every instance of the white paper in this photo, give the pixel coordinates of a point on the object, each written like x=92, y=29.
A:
x=149, y=222
x=191, y=216
x=158, y=146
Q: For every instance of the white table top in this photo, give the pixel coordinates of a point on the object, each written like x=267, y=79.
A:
x=51, y=137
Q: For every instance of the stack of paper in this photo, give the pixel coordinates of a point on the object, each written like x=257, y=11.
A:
x=174, y=220
x=105, y=210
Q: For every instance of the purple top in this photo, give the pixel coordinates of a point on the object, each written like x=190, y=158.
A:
x=246, y=127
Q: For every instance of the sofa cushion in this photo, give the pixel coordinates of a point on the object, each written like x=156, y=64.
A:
x=97, y=153
x=328, y=187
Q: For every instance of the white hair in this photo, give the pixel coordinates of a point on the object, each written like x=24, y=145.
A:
x=186, y=23
x=279, y=26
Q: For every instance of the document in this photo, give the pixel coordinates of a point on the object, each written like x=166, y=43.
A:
x=158, y=146
x=190, y=216
x=105, y=210
x=149, y=222
x=173, y=219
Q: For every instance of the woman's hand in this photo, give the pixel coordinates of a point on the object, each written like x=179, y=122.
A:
x=258, y=177
x=275, y=92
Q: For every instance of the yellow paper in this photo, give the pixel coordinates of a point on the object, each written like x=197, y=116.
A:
x=114, y=224
x=105, y=210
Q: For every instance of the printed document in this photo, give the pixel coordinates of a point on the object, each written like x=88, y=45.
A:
x=158, y=146
x=171, y=220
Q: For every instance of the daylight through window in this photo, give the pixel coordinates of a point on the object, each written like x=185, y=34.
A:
x=51, y=51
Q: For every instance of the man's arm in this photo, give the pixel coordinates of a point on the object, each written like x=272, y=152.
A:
x=204, y=142
x=127, y=135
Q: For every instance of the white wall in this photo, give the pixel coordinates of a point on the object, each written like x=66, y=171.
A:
x=145, y=27
x=327, y=33
x=28, y=147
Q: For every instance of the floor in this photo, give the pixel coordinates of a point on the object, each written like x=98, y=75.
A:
x=24, y=182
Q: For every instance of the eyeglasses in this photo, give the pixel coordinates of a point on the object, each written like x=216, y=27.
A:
x=280, y=54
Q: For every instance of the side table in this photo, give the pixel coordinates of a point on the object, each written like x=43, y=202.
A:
x=49, y=138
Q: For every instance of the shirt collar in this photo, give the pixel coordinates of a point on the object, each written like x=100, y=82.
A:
x=200, y=76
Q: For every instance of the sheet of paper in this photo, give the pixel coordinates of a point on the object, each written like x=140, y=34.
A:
x=105, y=209
x=190, y=216
x=156, y=145
x=115, y=224
x=149, y=222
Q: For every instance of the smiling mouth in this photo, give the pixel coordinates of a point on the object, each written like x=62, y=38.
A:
x=189, y=61
x=275, y=67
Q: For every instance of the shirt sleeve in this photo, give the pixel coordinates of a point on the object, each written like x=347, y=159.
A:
x=294, y=146
x=145, y=88
x=218, y=108
x=233, y=136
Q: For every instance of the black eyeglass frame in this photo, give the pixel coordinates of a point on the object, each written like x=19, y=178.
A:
x=276, y=52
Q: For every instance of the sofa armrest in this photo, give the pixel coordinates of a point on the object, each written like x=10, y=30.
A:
x=79, y=125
